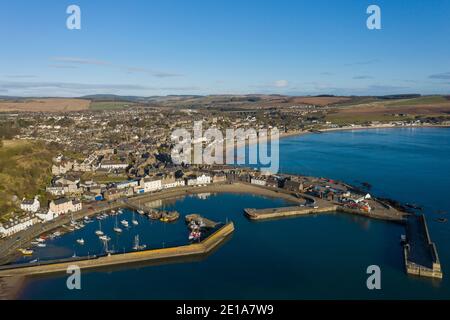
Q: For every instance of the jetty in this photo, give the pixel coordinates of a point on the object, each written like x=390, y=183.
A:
x=378, y=212
x=187, y=251
x=420, y=253
x=201, y=220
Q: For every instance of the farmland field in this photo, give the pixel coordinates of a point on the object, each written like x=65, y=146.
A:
x=109, y=105
x=44, y=105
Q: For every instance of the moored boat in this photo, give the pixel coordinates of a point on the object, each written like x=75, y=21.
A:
x=155, y=215
x=104, y=238
x=170, y=216
x=195, y=235
x=26, y=252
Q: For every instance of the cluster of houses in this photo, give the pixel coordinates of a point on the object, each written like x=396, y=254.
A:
x=69, y=191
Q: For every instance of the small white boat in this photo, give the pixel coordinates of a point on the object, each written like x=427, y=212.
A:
x=116, y=227
x=42, y=245
x=80, y=241
x=137, y=246
x=99, y=232
x=124, y=223
x=104, y=238
x=403, y=239
x=134, y=221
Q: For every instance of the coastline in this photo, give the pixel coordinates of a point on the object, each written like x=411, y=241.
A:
x=298, y=133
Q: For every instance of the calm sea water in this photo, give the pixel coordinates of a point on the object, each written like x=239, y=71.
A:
x=315, y=257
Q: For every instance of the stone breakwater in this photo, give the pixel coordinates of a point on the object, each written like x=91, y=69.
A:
x=202, y=248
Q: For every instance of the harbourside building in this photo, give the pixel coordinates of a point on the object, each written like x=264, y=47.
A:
x=259, y=181
x=64, y=206
x=17, y=225
x=30, y=205
x=127, y=184
x=171, y=182
x=194, y=180
x=151, y=184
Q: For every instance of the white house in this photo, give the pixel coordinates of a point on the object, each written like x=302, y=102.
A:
x=30, y=205
x=204, y=179
x=17, y=225
x=46, y=216
x=152, y=184
x=259, y=181
x=111, y=164
x=198, y=180
x=127, y=184
x=169, y=183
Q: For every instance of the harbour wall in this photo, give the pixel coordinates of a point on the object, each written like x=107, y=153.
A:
x=202, y=248
x=418, y=239
x=274, y=213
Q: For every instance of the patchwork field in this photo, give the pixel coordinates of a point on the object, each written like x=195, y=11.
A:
x=110, y=105
x=431, y=106
x=44, y=105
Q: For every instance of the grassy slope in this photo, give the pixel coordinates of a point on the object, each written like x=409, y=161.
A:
x=419, y=101
x=25, y=170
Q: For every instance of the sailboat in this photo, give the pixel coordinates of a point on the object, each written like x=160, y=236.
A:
x=99, y=232
x=116, y=228
x=134, y=221
x=136, y=246
x=104, y=238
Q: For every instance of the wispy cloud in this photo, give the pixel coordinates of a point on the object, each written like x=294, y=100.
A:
x=79, y=61
x=441, y=76
x=71, y=62
x=62, y=66
x=281, y=84
x=67, y=88
x=362, y=77
x=278, y=84
x=20, y=76
x=157, y=74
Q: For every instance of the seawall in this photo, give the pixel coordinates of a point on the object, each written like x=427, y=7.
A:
x=202, y=248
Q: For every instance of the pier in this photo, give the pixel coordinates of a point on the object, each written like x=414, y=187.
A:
x=380, y=213
x=202, y=248
x=420, y=253
x=274, y=213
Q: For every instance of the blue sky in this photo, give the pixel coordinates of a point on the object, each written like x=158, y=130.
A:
x=159, y=47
